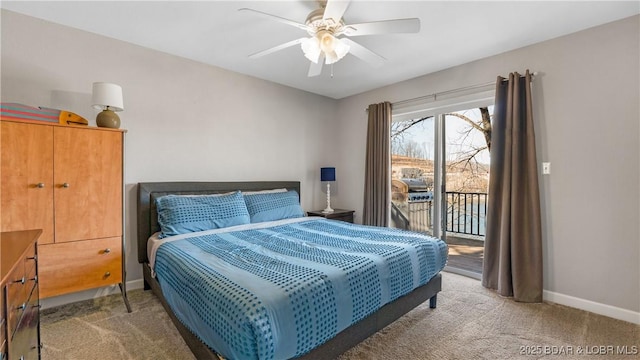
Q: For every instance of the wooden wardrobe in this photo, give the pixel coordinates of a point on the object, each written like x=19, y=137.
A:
x=67, y=181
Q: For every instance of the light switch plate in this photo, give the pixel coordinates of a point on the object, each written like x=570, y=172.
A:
x=546, y=168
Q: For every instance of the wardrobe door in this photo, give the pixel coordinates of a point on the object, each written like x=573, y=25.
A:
x=88, y=183
x=27, y=178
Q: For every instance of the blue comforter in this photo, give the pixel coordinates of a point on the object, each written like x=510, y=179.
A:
x=280, y=291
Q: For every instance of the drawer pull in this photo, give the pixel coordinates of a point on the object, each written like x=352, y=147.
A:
x=21, y=280
x=22, y=307
x=35, y=278
x=65, y=185
x=107, y=250
x=34, y=257
x=40, y=185
x=107, y=274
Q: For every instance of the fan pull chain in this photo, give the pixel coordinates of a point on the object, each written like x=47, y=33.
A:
x=332, y=71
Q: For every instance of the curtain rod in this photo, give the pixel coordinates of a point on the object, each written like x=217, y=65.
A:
x=447, y=92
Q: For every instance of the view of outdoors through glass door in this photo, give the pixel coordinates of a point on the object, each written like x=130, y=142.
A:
x=415, y=168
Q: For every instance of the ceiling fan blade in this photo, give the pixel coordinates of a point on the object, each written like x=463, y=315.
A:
x=277, y=48
x=383, y=27
x=363, y=53
x=335, y=9
x=316, y=68
x=276, y=18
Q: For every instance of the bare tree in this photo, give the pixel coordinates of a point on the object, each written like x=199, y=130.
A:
x=484, y=125
x=464, y=161
x=398, y=129
x=468, y=158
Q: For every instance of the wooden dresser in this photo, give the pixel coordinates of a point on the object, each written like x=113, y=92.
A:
x=19, y=303
x=73, y=176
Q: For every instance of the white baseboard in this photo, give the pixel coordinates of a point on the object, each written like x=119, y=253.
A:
x=135, y=284
x=89, y=294
x=571, y=301
x=592, y=306
x=462, y=272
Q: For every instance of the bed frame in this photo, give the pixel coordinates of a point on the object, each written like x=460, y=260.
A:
x=346, y=339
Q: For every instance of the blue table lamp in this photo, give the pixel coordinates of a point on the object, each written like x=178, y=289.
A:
x=328, y=174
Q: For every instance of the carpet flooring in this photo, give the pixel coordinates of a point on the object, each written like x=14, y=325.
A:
x=470, y=322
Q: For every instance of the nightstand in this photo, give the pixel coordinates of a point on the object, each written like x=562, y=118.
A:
x=337, y=214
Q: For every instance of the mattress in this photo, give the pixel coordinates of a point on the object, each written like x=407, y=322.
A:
x=277, y=290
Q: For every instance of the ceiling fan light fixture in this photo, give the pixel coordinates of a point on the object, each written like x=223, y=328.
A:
x=325, y=25
x=327, y=41
x=333, y=48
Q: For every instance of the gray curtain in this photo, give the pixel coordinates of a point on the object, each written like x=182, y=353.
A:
x=513, y=242
x=378, y=166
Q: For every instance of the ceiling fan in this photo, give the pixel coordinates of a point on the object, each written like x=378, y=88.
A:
x=329, y=35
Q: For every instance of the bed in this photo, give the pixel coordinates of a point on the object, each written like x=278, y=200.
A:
x=323, y=327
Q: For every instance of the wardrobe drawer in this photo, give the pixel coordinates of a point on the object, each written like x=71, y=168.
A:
x=79, y=265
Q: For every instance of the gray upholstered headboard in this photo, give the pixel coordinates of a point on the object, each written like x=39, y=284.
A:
x=148, y=192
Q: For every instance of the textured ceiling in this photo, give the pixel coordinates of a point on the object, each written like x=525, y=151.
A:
x=216, y=33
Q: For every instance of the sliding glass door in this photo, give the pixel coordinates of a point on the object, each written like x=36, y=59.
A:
x=440, y=176
x=466, y=168
x=413, y=174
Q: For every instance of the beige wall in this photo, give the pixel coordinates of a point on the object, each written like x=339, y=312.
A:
x=587, y=125
x=190, y=121
x=184, y=120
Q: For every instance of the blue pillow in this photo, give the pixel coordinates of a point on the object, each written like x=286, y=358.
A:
x=180, y=214
x=273, y=206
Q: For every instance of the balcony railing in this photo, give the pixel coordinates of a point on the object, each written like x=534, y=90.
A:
x=466, y=213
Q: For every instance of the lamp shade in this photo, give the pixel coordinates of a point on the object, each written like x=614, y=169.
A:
x=340, y=49
x=327, y=174
x=107, y=95
x=333, y=48
x=311, y=48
